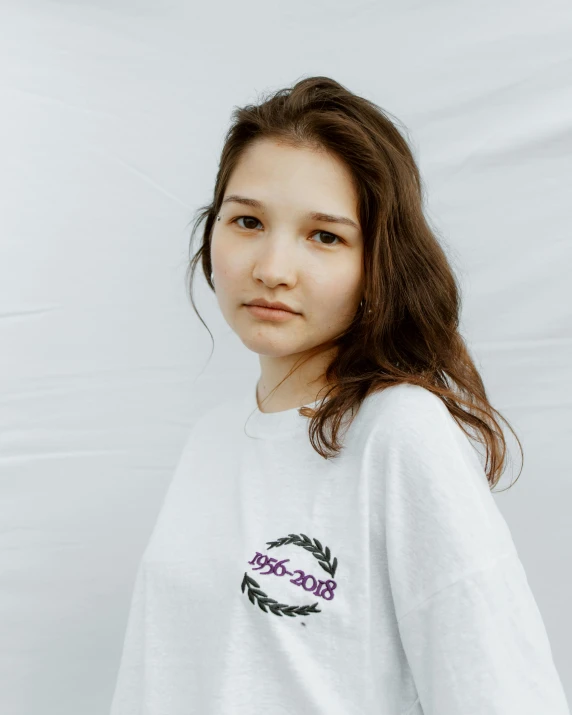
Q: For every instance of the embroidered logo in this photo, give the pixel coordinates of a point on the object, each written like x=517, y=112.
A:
x=322, y=589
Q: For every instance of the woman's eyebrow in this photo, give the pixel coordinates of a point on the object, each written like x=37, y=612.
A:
x=314, y=215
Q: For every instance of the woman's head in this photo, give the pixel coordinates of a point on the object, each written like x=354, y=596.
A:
x=289, y=231
x=376, y=308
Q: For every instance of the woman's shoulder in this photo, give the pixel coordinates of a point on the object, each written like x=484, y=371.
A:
x=404, y=403
x=417, y=421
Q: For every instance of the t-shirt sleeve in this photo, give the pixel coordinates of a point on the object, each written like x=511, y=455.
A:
x=470, y=627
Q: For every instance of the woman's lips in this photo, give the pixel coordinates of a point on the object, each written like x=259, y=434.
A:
x=270, y=313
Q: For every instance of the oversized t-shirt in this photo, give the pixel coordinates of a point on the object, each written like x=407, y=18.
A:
x=381, y=581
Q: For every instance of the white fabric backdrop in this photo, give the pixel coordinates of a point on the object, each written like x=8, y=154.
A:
x=113, y=114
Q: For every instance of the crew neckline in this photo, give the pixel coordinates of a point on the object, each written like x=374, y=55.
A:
x=273, y=425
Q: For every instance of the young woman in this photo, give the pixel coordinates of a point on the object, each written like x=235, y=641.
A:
x=289, y=572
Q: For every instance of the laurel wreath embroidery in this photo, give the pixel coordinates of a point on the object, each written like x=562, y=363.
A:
x=257, y=596
x=306, y=543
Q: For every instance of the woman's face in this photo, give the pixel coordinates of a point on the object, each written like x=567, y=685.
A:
x=278, y=252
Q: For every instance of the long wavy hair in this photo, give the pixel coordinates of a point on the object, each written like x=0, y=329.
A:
x=407, y=328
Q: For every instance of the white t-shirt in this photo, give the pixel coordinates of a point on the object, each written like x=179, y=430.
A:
x=383, y=581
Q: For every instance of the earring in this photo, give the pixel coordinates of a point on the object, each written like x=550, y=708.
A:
x=361, y=306
x=218, y=218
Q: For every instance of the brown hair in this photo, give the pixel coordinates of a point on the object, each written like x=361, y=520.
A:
x=407, y=330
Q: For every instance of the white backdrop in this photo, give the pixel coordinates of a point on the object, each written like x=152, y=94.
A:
x=113, y=115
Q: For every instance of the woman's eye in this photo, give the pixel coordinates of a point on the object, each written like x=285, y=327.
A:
x=255, y=220
x=332, y=235
x=248, y=218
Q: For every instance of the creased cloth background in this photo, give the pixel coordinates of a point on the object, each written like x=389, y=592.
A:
x=113, y=117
